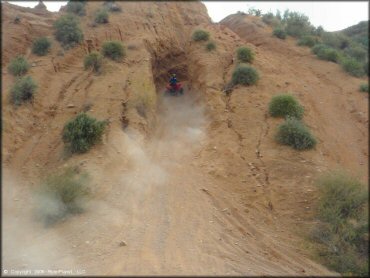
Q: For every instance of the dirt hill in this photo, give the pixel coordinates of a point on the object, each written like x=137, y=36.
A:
x=192, y=185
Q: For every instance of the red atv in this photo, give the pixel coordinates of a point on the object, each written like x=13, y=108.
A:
x=174, y=90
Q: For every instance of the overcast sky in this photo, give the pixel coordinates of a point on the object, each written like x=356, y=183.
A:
x=332, y=16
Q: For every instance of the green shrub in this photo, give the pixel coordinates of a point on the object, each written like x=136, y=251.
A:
x=93, y=60
x=23, y=90
x=353, y=67
x=81, y=133
x=329, y=54
x=67, y=30
x=101, y=16
x=62, y=193
x=279, y=33
x=364, y=87
x=270, y=19
x=114, y=50
x=200, y=35
x=366, y=68
x=318, y=47
x=211, y=46
x=285, y=105
x=307, y=40
x=76, y=7
x=357, y=52
x=245, y=75
x=335, y=40
x=343, y=228
x=18, y=66
x=245, y=54
x=41, y=46
x=295, y=134
x=297, y=24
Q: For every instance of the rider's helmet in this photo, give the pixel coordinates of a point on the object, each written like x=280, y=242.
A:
x=174, y=75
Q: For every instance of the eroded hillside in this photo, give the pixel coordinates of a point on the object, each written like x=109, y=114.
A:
x=192, y=185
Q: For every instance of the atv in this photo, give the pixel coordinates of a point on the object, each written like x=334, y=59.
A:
x=174, y=90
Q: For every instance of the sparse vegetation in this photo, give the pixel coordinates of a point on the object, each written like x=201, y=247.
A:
x=342, y=233
x=270, y=19
x=18, y=66
x=364, y=87
x=210, y=46
x=112, y=6
x=23, y=90
x=318, y=47
x=329, y=54
x=41, y=46
x=353, y=67
x=113, y=50
x=307, y=40
x=295, y=134
x=93, y=60
x=245, y=54
x=285, y=105
x=357, y=52
x=81, y=133
x=61, y=194
x=76, y=7
x=279, y=33
x=296, y=24
x=101, y=16
x=200, y=35
x=245, y=75
x=67, y=30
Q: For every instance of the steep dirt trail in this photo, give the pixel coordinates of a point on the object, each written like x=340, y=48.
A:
x=163, y=205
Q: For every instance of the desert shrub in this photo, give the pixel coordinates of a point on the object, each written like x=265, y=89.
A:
x=319, y=31
x=101, y=16
x=18, y=66
x=329, y=54
x=41, y=46
x=81, y=133
x=62, y=193
x=254, y=11
x=364, y=87
x=112, y=6
x=295, y=134
x=270, y=19
x=93, y=60
x=335, y=40
x=297, y=24
x=200, y=35
x=245, y=75
x=318, y=47
x=23, y=90
x=353, y=67
x=245, y=54
x=210, y=46
x=343, y=228
x=67, y=30
x=357, y=52
x=285, y=105
x=114, y=50
x=366, y=67
x=76, y=7
x=307, y=40
x=279, y=32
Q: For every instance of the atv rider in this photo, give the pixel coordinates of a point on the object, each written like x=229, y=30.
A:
x=173, y=81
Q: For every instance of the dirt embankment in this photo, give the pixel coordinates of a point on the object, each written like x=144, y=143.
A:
x=193, y=185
